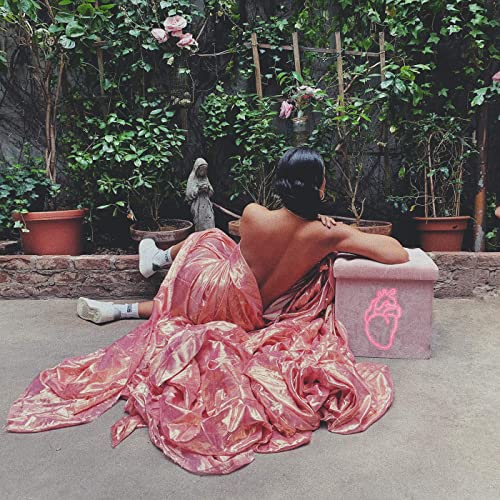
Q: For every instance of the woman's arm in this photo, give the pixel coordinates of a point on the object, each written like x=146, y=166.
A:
x=374, y=246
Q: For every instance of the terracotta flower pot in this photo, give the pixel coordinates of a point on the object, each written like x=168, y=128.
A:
x=52, y=233
x=441, y=234
x=367, y=226
x=233, y=227
x=172, y=231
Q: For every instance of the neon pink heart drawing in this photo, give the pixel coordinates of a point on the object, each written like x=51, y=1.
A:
x=384, y=305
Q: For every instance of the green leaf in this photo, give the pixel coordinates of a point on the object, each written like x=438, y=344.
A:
x=74, y=30
x=66, y=42
x=64, y=17
x=86, y=10
x=298, y=77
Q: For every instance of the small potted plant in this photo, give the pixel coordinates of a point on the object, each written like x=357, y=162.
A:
x=140, y=177
x=301, y=100
x=29, y=199
x=440, y=150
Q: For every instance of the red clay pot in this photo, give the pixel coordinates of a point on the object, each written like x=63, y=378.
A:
x=175, y=230
x=52, y=233
x=366, y=226
x=441, y=234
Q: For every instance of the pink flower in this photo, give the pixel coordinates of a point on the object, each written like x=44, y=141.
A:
x=496, y=77
x=160, y=35
x=187, y=41
x=174, y=23
x=286, y=109
x=177, y=34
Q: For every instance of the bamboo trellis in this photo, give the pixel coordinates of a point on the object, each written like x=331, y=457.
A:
x=338, y=51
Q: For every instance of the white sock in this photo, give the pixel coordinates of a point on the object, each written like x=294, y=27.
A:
x=128, y=310
x=162, y=258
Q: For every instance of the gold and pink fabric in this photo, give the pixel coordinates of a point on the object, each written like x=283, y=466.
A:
x=213, y=377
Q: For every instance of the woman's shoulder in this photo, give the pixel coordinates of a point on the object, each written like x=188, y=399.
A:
x=254, y=210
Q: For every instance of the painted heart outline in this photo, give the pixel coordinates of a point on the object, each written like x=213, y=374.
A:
x=384, y=305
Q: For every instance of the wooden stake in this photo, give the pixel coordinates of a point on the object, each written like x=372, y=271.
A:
x=296, y=52
x=385, y=130
x=480, y=198
x=340, y=70
x=381, y=44
x=256, y=62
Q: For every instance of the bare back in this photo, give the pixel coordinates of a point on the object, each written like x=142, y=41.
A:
x=281, y=247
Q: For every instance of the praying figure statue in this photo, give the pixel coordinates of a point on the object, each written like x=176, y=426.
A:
x=198, y=193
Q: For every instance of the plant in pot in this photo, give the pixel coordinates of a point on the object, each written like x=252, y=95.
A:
x=301, y=101
x=138, y=175
x=346, y=136
x=435, y=171
x=50, y=231
x=250, y=122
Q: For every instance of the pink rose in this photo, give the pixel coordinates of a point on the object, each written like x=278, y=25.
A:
x=286, y=109
x=187, y=41
x=174, y=23
x=160, y=35
x=177, y=34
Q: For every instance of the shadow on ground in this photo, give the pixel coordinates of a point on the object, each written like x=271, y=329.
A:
x=440, y=439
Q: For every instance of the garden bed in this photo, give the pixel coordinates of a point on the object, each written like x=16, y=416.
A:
x=461, y=274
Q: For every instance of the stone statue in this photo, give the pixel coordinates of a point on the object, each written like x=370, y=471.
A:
x=198, y=193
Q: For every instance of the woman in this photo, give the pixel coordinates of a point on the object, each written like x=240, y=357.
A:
x=280, y=246
x=241, y=353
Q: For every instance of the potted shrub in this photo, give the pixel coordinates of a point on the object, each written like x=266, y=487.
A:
x=136, y=159
x=251, y=121
x=347, y=126
x=46, y=232
x=28, y=196
x=440, y=149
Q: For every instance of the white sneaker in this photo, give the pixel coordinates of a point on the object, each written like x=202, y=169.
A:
x=147, y=252
x=97, y=311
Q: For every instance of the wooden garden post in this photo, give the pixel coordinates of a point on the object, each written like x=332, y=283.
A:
x=340, y=70
x=480, y=199
x=296, y=52
x=385, y=131
x=256, y=62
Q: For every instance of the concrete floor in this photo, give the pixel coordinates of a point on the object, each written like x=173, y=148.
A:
x=440, y=439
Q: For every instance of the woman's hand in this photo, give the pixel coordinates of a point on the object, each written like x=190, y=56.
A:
x=327, y=221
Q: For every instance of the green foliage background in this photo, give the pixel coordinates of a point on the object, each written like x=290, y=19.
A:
x=119, y=132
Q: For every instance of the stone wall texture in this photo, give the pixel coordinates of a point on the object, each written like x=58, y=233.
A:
x=461, y=274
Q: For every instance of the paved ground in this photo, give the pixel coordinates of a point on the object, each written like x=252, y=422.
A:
x=440, y=439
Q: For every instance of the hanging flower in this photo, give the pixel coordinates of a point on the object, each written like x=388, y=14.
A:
x=187, y=41
x=175, y=23
x=286, y=109
x=160, y=35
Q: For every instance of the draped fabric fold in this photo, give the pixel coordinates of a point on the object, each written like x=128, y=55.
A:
x=213, y=377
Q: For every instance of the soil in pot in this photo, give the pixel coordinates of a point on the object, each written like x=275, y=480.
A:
x=169, y=232
x=441, y=234
x=58, y=232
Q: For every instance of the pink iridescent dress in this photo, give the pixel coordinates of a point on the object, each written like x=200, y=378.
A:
x=213, y=377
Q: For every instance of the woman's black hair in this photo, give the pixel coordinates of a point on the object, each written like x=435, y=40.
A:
x=299, y=176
